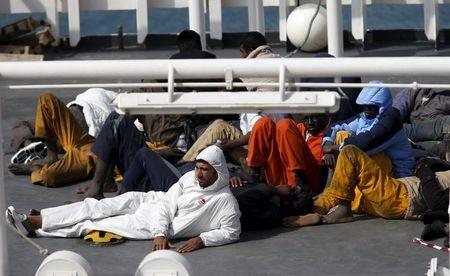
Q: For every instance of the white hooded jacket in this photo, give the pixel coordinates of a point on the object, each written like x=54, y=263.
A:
x=188, y=209
x=97, y=104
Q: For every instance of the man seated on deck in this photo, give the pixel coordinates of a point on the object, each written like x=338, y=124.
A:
x=234, y=140
x=199, y=206
x=286, y=153
x=377, y=131
x=382, y=195
x=426, y=119
x=164, y=130
x=73, y=128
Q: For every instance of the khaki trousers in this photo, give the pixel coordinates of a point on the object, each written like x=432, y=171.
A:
x=55, y=123
x=382, y=195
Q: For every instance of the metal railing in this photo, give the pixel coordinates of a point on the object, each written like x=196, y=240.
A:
x=197, y=8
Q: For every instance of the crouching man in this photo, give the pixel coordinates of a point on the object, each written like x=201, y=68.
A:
x=199, y=206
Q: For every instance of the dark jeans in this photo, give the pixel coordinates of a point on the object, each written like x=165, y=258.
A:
x=118, y=141
x=258, y=211
x=148, y=172
x=431, y=135
x=435, y=198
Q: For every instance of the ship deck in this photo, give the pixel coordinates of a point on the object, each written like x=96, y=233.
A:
x=368, y=246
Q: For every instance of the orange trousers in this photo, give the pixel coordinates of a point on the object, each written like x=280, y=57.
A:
x=55, y=123
x=281, y=149
x=382, y=195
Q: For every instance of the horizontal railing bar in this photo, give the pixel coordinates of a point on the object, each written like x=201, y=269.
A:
x=242, y=68
x=413, y=85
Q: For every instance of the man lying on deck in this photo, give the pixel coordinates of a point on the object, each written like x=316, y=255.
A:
x=382, y=195
x=120, y=144
x=199, y=206
x=73, y=128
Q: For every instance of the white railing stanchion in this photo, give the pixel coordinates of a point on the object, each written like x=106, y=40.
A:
x=256, y=16
x=215, y=19
x=335, y=28
x=141, y=20
x=197, y=19
x=431, y=19
x=282, y=19
x=51, y=9
x=3, y=242
x=282, y=82
x=359, y=19
x=73, y=10
x=170, y=83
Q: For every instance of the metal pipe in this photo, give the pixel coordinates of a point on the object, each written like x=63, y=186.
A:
x=295, y=67
x=3, y=242
x=413, y=85
x=335, y=28
x=197, y=19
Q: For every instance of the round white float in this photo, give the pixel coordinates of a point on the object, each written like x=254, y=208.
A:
x=164, y=262
x=64, y=263
x=298, y=23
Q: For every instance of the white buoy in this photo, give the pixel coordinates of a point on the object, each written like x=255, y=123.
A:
x=298, y=23
x=64, y=263
x=164, y=262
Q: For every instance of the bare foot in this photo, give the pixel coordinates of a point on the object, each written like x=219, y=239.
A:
x=338, y=214
x=22, y=169
x=301, y=221
x=107, y=188
x=81, y=190
x=110, y=187
x=86, y=192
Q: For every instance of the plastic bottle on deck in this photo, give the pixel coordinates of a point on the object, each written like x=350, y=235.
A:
x=181, y=143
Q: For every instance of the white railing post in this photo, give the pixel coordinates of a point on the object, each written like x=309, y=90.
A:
x=256, y=16
x=431, y=18
x=73, y=11
x=358, y=19
x=215, y=19
x=335, y=28
x=283, y=6
x=141, y=20
x=3, y=243
x=170, y=83
x=53, y=18
x=197, y=19
x=282, y=82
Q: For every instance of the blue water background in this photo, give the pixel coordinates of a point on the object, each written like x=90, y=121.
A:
x=164, y=20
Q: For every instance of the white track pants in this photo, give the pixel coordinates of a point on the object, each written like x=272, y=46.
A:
x=125, y=215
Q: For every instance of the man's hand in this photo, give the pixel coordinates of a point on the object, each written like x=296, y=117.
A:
x=225, y=145
x=236, y=181
x=191, y=245
x=329, y=160
x=160, y=243
x=329, y=147
x=282, y=190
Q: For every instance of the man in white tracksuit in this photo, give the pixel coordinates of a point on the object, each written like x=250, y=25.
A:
x=199, y=205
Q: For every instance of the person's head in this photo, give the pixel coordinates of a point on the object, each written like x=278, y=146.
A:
x=315, y=123
x=188, y=40
x=205, y=174
x=211, y=169
x=370, y=111
x=374, y=100
x=251, y=41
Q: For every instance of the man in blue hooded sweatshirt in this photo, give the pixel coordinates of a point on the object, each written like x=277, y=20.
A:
x=376, y=130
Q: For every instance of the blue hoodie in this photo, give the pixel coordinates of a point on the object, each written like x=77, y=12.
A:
x=384, y=133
